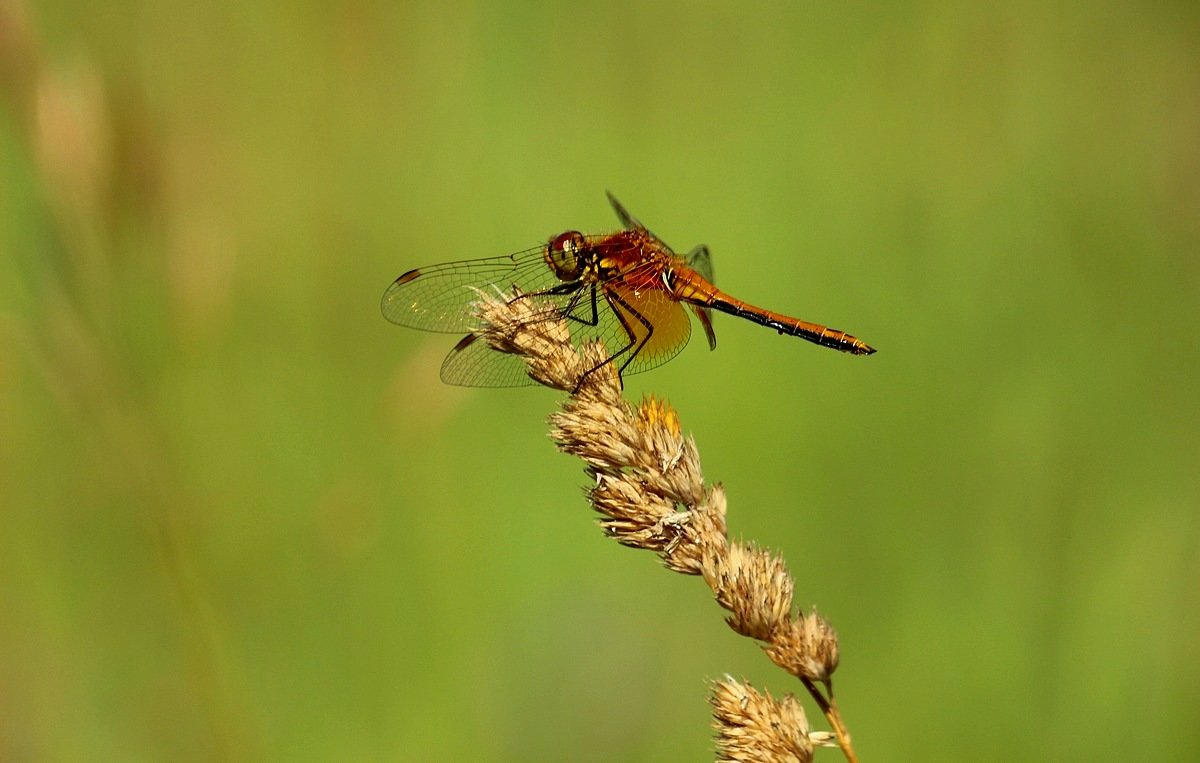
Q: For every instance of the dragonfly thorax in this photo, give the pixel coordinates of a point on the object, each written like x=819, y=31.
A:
x=566, y=256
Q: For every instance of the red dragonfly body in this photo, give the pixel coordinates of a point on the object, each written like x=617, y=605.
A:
x=626, y=288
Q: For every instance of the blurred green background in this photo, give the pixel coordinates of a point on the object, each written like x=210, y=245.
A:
x=241, y=519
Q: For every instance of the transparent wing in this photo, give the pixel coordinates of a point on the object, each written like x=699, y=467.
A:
x=666, y=334
x=441, y=297
x=632, y=223
x=640, y=326
x=473, y=363
x=700, y=261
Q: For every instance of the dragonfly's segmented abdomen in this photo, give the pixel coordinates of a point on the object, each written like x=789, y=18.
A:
x=813, y=332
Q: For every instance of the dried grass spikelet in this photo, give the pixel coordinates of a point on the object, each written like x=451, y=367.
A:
x=650, y=493
x=754, y=726
x=806, y=647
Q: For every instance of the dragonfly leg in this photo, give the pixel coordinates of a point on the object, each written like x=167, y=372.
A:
x=569, y=311
x=619, y=307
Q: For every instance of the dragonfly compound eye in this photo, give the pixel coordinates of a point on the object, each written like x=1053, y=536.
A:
x=565, y=255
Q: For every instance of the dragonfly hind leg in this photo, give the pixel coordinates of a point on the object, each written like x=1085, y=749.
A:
x=619, y=307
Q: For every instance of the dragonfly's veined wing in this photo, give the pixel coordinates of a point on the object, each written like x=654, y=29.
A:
x=632, y=223
x=441, y=297
x=640, y=328
x=700, y=261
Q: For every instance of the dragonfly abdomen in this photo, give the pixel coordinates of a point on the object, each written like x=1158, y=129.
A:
x=813, y=332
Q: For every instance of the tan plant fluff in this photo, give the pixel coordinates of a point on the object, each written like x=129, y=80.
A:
x=651, y=494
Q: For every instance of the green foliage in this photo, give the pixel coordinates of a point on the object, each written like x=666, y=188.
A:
x=240, y=517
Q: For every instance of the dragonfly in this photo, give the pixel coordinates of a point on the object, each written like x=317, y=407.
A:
x=626, y=289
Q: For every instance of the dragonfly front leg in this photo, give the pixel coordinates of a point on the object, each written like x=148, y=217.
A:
x=620, y=307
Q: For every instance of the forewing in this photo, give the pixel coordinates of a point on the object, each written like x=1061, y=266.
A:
x=629, y=221
x=441, y=297
x=632, y=223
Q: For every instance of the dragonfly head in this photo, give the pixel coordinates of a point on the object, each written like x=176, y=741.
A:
x=565, y=255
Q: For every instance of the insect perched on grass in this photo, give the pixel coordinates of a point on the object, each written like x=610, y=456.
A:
x=627, y=289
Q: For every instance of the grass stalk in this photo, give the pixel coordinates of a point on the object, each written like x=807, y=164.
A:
x=650, y=493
